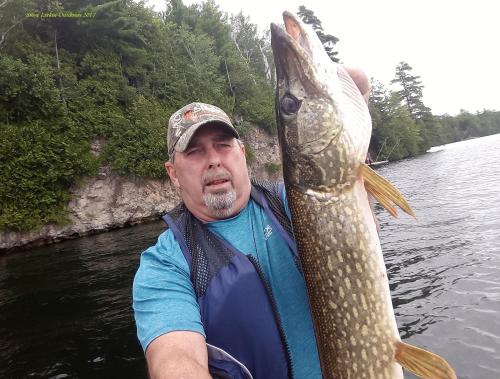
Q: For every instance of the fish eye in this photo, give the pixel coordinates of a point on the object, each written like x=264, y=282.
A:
x=289, y=104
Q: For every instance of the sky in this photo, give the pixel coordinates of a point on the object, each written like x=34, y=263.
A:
x=452, y=45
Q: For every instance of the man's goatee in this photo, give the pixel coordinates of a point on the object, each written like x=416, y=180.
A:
x=221, y=203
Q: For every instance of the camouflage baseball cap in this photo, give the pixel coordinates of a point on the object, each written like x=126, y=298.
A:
x=187, y=120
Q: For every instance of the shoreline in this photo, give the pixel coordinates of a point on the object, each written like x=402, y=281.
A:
x=110, y=201
x=49, y=240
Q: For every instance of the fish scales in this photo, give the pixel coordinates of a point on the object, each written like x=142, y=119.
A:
x=324, y=130
x=341, y=273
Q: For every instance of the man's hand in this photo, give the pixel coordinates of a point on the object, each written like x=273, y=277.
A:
x=361, y=80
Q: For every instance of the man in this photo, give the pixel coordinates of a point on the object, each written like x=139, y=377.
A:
x=222, y=289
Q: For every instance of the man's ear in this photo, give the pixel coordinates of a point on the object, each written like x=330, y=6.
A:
x=170, y=169
x=242, y=145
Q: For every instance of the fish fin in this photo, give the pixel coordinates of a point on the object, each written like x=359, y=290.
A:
x=385, y=193
x=423, y=363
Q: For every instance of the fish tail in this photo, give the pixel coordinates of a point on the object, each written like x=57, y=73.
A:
x=422, y=363
x=386, y=194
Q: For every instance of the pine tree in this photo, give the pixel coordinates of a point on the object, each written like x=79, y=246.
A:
x=410, y=93
x=327, y=40
x=395, y=135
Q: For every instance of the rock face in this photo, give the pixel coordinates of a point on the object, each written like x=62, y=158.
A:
x=266, y=161
x=110, y=201
x=101, y=203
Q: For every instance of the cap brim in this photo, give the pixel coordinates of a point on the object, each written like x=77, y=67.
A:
x=184, y=140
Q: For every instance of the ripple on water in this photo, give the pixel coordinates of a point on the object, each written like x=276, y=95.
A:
x=65, y=309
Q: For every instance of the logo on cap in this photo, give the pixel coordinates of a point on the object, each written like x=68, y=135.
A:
x=192, y=115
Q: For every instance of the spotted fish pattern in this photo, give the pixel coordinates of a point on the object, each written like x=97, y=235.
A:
x=324, y=130
x=347, y=286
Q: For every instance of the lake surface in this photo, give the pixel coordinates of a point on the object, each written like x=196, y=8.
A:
x=65, y=309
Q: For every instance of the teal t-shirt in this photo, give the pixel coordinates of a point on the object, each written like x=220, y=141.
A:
x=164, y=299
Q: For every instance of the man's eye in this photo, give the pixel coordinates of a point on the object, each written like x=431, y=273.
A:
x=192, y=151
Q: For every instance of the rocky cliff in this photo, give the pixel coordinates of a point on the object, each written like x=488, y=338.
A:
x=110, y=201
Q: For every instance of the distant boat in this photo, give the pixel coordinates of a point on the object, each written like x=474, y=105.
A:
x=379, y=163
x=435, y=149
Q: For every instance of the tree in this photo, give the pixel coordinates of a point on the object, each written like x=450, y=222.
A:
x=41, y=150
x=139, y=148
x=250, y=92
x=327, y=40
x=112, y=78
x=410, y=93
x=246, y=40
x=12, y=14
x=395, y=134
x=379, y=111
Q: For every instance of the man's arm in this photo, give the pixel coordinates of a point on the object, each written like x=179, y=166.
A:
x=179, y=354
x=167, y=314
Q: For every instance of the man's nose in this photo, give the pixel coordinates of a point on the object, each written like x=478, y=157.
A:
x=213, y=158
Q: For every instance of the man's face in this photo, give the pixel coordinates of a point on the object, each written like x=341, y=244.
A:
x=212, y=174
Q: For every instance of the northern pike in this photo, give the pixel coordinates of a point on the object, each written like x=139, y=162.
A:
x=324, y=129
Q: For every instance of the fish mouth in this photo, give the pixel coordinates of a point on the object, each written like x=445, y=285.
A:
x=307, y=115
x=293, y=54
x=299, y=68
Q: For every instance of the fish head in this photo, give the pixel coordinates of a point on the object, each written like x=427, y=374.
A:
x=323, y=122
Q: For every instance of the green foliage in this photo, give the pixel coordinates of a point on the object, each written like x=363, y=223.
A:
x=399, y=133
x=252, y=49
x=249, y=154
x=273, y=167
x=242, y=127
x=27, y=90
x=410, y=93
x=395, y=135
x=260, y=110
x=199, y=76
x=466, y=125
x=37, y=166
x=138, y=148
x=119, y=75
x=116, y=77
x=402, y=125
x=239, y=82
x=12, y=15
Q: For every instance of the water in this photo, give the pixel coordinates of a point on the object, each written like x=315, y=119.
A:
x=444, y=269
x=65, y=309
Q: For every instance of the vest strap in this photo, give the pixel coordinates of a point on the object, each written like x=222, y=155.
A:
x=180, y=239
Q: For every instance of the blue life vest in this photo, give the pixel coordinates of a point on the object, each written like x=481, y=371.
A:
x=244, y=335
